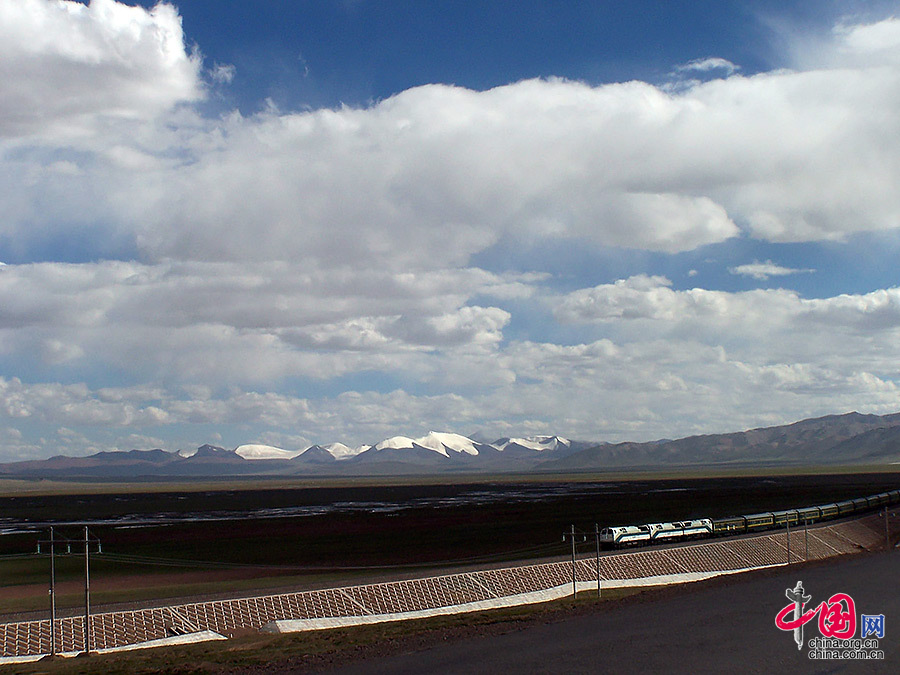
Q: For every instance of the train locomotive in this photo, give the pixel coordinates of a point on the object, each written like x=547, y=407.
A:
x=637, y=535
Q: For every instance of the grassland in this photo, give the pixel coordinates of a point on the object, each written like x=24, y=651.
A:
x=43, y=487
x=447, y=531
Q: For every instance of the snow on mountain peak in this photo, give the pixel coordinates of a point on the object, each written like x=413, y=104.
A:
x=395, y=442
x=538, y=443
x=257, y=451
x=441, y=443
x=341, y=452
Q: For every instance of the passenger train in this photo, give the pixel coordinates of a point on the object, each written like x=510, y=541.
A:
x=632, y=535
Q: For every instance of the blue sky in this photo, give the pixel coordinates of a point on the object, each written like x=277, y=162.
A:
x=305, y=222
x=323, y=54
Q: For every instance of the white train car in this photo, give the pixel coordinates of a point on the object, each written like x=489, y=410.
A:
x=686, y=529
x=624, y=535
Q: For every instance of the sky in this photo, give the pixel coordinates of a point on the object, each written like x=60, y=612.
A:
x=299, y=222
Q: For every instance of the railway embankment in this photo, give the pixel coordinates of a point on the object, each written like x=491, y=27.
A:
x=442, y=594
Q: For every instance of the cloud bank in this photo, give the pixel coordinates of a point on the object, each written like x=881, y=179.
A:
x=172, y=270
x=441, y=172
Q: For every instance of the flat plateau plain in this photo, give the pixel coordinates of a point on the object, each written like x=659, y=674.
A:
x=209, y=540
x=224, y=538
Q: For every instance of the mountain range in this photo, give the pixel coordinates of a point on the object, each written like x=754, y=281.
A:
x=848, y=439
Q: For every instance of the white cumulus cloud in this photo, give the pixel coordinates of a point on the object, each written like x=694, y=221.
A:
x=63, y=64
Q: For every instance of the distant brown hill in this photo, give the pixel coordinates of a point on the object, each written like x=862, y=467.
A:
x=848, y=439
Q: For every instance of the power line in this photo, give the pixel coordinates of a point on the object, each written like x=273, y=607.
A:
x=218, y=564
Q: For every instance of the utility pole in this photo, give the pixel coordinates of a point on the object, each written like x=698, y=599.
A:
x=787, y=522
x=571, y=534
x=52, y=541
x=87, y=594
x=52, y=596
x=806, y=536
x=597, y=536
x=887, y=530
x=574, y=587
x=87, y=541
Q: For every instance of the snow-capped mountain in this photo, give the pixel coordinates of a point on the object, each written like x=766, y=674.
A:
x=327, y=453
x=847, y=439
x=441, y=443
x=537, y=443
x=434, y=451
x=256, y=452
x=342, y=452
